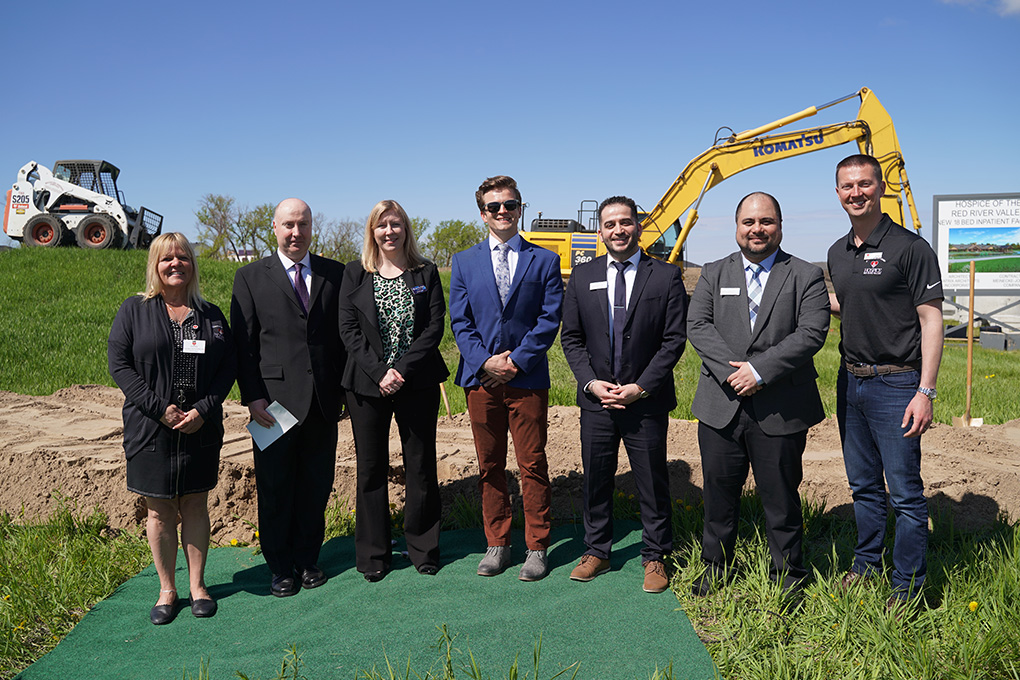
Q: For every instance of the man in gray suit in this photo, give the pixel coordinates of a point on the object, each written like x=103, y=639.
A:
x=756, y=319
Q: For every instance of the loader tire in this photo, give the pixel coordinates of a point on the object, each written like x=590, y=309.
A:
x=45, y=231
x=97, y=232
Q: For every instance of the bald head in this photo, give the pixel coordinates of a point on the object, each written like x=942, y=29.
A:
x=292, y=225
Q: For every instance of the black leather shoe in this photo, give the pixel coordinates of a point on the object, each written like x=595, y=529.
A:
x=428, y=569
x=706, y=583
x=203, y=609
x=163, y=614
x=284, y=586
x=374, y=576
x=312, y=577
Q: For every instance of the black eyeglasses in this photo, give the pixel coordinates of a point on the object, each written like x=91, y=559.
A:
x=510, y=206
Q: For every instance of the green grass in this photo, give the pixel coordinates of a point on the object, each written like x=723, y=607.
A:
x=1006, y=264
x=56, y=307
x=52, y=572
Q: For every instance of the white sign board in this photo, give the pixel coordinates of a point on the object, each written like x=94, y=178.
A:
x=980, y=227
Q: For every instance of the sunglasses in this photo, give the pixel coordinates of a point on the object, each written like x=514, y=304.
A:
x=510, y=206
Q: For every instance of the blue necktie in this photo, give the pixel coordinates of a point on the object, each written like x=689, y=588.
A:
x=754, y=292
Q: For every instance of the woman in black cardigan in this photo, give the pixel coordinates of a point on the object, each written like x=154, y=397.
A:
x=391, y=321
x=171, y=354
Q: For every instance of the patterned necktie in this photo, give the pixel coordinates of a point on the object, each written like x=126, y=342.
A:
x=503, y=272
x=754, y=292
x=619, y=316
x=300, y=288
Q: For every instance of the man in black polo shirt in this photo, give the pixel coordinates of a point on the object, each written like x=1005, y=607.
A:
x=888, y=293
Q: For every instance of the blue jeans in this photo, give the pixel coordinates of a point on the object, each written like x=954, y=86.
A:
x=870, y=412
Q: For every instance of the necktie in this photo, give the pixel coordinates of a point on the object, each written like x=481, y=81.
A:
x=619, y=316
x=754, y=292
x=503, y=272
x=300, y=288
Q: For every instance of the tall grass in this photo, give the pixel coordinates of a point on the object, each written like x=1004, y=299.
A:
x=52, y=572
x=56, y=307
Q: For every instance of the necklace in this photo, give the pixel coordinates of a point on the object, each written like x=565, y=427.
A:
x=178, y=316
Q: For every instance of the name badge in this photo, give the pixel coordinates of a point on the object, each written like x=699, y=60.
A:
x=194, y=347
x=598, y=285
x=873, y=256
x=418, y=289
x=729, y=291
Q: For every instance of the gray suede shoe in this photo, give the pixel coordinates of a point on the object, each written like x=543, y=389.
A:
x=496, y=560
x=535, y=566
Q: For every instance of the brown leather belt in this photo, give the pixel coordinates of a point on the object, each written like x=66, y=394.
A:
x=871, y=370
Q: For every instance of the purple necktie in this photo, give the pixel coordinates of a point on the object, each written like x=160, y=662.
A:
x=300, y=288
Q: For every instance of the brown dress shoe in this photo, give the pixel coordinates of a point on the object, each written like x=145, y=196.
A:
x=656, y=580
x=589, y=567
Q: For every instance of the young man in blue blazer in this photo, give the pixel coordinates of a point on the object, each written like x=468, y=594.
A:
x=505, y=299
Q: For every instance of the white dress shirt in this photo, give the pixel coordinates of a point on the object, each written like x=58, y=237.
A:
x=289, y=265
x=512, y=256
x=763, y=278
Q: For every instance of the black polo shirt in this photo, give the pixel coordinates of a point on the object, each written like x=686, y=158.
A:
x=879, y=287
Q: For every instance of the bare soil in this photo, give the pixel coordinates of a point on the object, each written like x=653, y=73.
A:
x=66, y=447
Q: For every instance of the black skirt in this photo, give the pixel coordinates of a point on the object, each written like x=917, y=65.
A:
x=175, y=464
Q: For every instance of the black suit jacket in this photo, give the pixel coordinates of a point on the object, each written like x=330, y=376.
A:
x=422, y=365
x=792, y=322
x=654, y=335
x=284, y=354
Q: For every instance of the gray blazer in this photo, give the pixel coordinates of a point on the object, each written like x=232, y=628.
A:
x=792, y=323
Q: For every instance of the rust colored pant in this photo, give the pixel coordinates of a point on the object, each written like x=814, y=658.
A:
x=494, y=410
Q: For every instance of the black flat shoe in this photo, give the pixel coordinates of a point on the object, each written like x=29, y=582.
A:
x=163, y=614
x=203, y=609
x=374, y=576
x=428, y=569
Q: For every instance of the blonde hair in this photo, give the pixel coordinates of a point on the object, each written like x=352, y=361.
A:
x=158, y=249
x=370, y=249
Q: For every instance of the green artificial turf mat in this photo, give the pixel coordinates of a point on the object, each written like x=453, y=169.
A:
x=609, y=625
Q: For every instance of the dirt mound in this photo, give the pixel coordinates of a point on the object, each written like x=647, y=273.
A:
x=67, y=448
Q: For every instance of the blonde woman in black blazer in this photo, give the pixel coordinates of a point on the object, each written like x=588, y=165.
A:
x=391, y=322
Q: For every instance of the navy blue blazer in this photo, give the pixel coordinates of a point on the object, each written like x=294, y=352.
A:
x=422, y=365
x=528, y=324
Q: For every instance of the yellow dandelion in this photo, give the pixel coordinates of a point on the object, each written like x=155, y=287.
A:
x=679, y=502
x=233, y=541
x=972, y=606
x=256, y=533
x=989, y=376
x=832, y=596
x=393, y=506
x=7, y=597
x=690, y=507
x=861, y=603
x=631, y=496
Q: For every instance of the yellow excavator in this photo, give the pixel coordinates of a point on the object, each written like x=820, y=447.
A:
x=663, y=234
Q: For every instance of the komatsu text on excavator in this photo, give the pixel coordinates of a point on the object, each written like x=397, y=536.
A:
x=663, y=234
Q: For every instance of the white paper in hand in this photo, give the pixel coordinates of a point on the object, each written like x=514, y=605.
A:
x=264, y=436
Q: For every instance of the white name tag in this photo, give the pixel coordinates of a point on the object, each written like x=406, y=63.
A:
x=194, y=346
x=598, y=285
x=729, y=291
x=873, y=256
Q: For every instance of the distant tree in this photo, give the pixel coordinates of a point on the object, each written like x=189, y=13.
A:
x=337, y=239
x=233, y=232
x=449, y=237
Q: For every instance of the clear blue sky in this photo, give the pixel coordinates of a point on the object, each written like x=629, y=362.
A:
x=344, y=104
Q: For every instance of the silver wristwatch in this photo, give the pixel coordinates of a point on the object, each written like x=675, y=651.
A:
x=929, y=392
